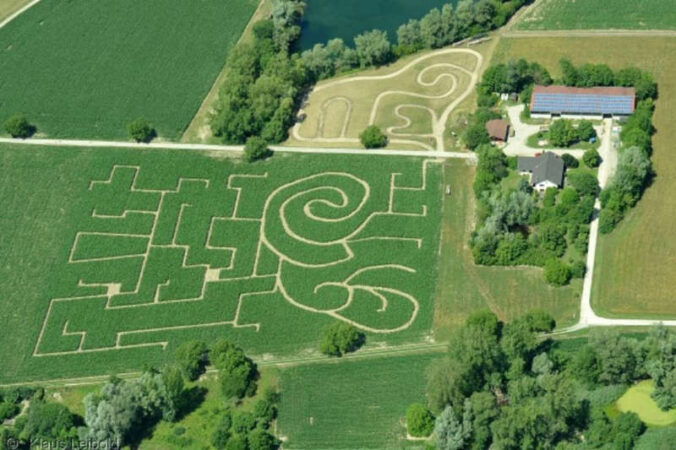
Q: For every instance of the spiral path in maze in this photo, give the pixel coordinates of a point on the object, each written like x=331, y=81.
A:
x=224, y=251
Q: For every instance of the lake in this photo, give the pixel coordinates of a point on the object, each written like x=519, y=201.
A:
x=328, y=19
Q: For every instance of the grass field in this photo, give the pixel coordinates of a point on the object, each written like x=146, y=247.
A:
x=9, y=7
x=111, y=255
x=409, y=100
x=351, y=404
x=86, y=69
x=637, y=399
x=600, y=15
x=465, y=287
x=636, y=264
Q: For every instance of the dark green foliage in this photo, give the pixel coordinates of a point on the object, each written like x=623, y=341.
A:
x=256, y=148
x=261, y=440
x=620, y=433
x=419, y=420
x=243, y=422
x=492, y=167
x=586, y=184
x=585, y=130
x=570, y=161
x=237, y=372
x=557, y=273
x=222, y=433
x=340, y=338
x=515, y=76
x=578, y=269
x=49, y=421
x=591, y=158
x=562, y=133
x=476, y=134
x=192, y=357
x=237, y=443
x=373, y=137
x=141, y=131
x=373, y=48
x=8, y=410
x=18, y=126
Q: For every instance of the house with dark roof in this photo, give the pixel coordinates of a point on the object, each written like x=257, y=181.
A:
x=498, y=130
x=548, y=101
x=545, y=171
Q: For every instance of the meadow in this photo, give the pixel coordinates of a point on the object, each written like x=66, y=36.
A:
x=635, y=266
x=637, y=399
x=112, y=257
x=410, y=101
x=464, y=287
x=86, y=69
x=358, y=404
x=600, y=15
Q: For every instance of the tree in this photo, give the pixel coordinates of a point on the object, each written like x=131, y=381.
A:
x=237, y=372
x=340, y=338
x=373, y=48
x=18, y=127
x=450, y=433
x=255, y=149
x=562, y=133
x=409, y=36
x=476, y=135
x=261, y=440
x=419, y=420
x=192, y=357
x=591, y=158
x=570, y=161
x=616, y=355
x=431, y=29
x=556, y=272
x=141, y=131
x=585, y=130
x=373, y=137
x=569, y=73
x=584, y=183
x=49, y=421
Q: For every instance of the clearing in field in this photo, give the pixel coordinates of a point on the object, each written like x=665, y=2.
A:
x=638, y=400
x=87, y=68
x=636, y=264
x=353, y=404
x=600, y=15
x=411, y=101
x=158, y=247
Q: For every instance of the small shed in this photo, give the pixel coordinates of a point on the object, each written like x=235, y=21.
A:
x=498, y=130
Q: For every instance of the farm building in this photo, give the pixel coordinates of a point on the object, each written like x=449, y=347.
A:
x=498, y=130
x=545, y=171
x=596, y=102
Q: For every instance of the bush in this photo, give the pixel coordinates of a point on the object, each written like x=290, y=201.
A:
x=578, y=269
x=608, y=220
x=373, y=137
x=340, y=338
x=562, y=133
x=592, y=158
x=7, y=411
x=586, y=131
x=570, y=161
x=419, y=420
x=141, y=131
x=584, y=183
x=191, y=357
x=557, y=273
x=256, y=148
x=18, y=127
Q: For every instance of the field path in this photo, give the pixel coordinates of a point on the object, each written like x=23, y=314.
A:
x=18, y=13
x=290, y=361
x=232, y=148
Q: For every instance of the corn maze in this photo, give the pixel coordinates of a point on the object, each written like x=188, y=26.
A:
x=247, y=252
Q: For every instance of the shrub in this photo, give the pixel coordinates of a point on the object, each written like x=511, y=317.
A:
x=340, y=338
x=191, y=357
x=18, y=127
x=608, y=220
x=419, y=420
x=584, y=183
x=591, y=158
x=570, y=161
x=373, y=137
x=557, y=273
x=585, y=130
x=8, y=410
x=256, y=148
x=578, y=269
x=141, y=131
x=562, y=133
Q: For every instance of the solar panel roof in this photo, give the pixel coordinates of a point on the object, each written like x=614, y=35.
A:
x=558, y=99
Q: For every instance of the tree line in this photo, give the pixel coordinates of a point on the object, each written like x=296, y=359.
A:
x=502, y=385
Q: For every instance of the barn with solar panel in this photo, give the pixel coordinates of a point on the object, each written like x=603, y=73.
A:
x=576, y=103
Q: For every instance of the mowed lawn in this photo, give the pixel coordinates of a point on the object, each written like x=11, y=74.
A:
x=351, y=404
x=118, y=302
x=635, y=269
x=85, y=69
x=600, y=15
x=465, y=287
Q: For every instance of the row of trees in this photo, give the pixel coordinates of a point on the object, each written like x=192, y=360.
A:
x=589, y=75
x=517, y=76
x=634, y=168
x=438, y=28
x=264, y=81
x=502, y=386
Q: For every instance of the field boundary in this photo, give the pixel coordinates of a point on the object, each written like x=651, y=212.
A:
x=18, y=13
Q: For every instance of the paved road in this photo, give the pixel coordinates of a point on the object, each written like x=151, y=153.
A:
x=233, y=148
